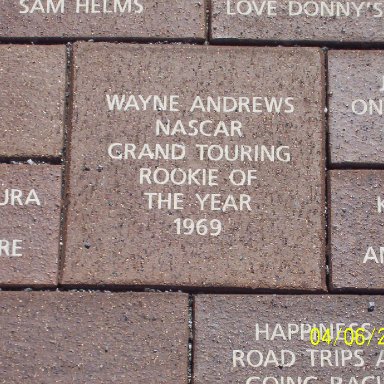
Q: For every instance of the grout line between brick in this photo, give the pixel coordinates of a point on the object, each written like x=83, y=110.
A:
x=32, y=160
x=356, y=166
x=65, y=166
x=327, y=161
x=191, y=323
x=364, y=46
x=111, y=40
x=208, y=14
x=191, y=291
x=337, y=46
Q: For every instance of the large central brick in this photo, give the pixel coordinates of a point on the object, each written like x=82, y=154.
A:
x=246, y=122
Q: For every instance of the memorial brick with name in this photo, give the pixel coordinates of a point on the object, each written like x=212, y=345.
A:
x=356, y=95
x=196, y=166
x=32, y=98
x=297, y=21
x=356, y=201
x=288, y=339
x=30, y=203
x=129, y=19
x=62, y=337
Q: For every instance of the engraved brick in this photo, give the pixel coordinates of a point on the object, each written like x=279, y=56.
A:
x=297, y=21
x=116, y=234
x=266, y=339
x=32, y=83
x=52, y=337
x=30, y=224
x=356, y=86
x=127, y=19
x=356, y=229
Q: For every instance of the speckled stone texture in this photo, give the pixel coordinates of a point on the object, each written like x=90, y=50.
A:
x=112, y=236
x=356, y=225
x=308, y=21
x=355, y=134
x=129, y=19
x=259, y=323
x=52, y=337
x=32, y=97
x=36, y=223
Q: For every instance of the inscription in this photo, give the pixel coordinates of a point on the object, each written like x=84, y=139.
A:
x=16, y=197
x=81, y=6
x=356, y=216
x=285, y=357
x=375, y=254
x=10, y=248
x=323, y=9
x=372, y=106
x=289, y=340
x=222, y=104
x=41, y=6
x=214, y=152
x=279, y=358
x=380, y=204
x=201, y=227
x=198, y=152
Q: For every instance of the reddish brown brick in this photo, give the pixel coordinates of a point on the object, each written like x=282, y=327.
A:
x=128, y=19
x=356, y=229
x=113, y=237
x=241, y=339
x=356, y=100
x=30, y=224
x=57, y=337
x=32, y=83
x=297, y=21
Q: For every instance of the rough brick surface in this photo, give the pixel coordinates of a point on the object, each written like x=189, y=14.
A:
x=128, y=19
x=114, y=236
x=32, y=83
x=270, y=337
x=356, y=227
x=297, y=21
x=356, y=107
x=51, y=337
x=30, y=202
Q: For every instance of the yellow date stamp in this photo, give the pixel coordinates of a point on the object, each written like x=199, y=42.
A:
x=347, y=336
